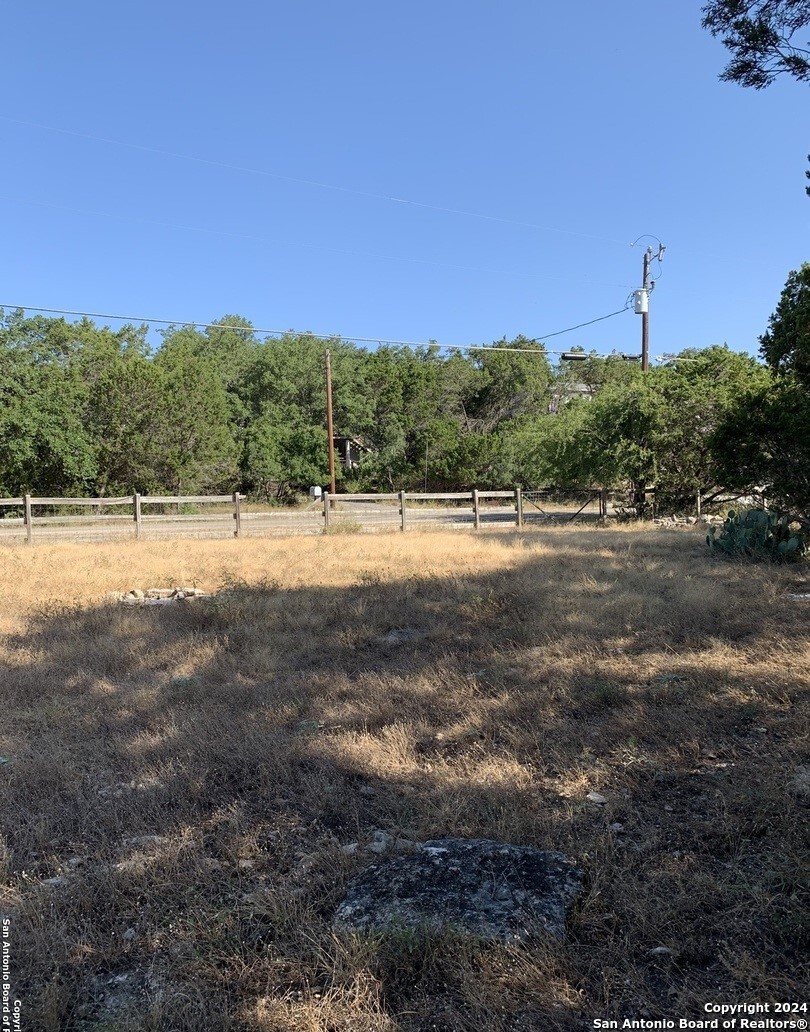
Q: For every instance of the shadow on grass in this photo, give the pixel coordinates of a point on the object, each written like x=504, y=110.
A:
x=194, y=771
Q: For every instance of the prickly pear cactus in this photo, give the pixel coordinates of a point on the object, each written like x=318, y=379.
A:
x=759, y=534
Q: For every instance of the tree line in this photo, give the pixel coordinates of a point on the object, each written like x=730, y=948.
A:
x=85, y=409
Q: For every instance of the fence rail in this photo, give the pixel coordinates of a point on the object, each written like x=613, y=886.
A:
x=402, y=510
x=29, y=502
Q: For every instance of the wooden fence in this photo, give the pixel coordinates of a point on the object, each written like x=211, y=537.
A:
x=401, y=510
x=136, y=501
x=474, y=497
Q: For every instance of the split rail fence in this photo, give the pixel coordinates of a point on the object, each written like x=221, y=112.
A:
x=129, y=517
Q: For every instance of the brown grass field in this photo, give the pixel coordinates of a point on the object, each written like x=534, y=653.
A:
x=257, y=732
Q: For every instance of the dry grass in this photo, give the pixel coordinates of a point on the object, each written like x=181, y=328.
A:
x=541, y=666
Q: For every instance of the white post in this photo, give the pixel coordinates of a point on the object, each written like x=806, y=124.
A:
x=29, y=523
x=237, y=514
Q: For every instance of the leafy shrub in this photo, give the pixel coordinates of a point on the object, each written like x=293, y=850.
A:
x=759, y=534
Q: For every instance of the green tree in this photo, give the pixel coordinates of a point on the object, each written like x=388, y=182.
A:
x=649, y=429
x=785, y=345
x=285, y=396
x=515, y=381
x=764, y=441
x=229, y=346
x=197, y=448
x=760, y=36
x=280, y=457
x=124, y=415
x=45, y=447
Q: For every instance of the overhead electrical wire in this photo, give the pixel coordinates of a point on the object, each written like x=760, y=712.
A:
x=319, y=336
x=315, y=183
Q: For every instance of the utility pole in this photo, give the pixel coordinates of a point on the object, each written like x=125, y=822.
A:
x=642, y=308
x=642, y=303
x=645, y=315
x=330, y=432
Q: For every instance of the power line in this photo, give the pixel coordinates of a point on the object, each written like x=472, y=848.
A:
x=318, y=336
x=579, y=326
x=307, y=182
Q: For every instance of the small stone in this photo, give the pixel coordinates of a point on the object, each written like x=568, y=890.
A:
x=129, y=934
x=350, y=848
x=617, y=828
x=595, y=797
x=661, y=951
x=399, y=636
x=146, y=840
x=799, y=785
x=381, y=842
x=59, y=882
x=308, y=727
x=368, y=790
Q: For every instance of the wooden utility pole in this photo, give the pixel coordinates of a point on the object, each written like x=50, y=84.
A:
x=640, y=492
x=645, y=316
x=330, y=431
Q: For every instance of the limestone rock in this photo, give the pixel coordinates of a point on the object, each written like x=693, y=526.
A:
x=478, y=887
x=399, y=636
x=800, y=783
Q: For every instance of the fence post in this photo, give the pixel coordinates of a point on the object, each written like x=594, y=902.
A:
x=402, y=511
x=29, y=525
x=519, y=506
x=326, y=510
x=476, y=513
x=136, y=505
x=237, y=513
x=699, y=501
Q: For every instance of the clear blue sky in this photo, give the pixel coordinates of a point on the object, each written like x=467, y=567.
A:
x=205, y=159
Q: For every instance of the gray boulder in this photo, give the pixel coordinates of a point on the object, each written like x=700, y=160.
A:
x=477, y=887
